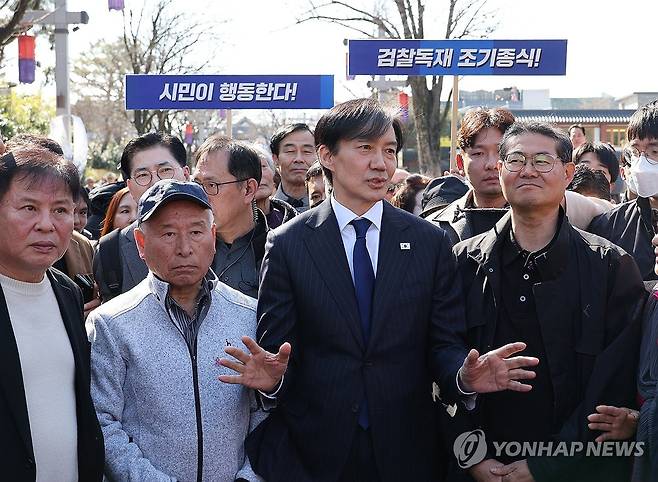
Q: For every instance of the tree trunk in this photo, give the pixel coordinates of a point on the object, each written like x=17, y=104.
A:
x=428, y=126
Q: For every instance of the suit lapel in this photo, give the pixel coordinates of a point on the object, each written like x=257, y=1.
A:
x=136, y=267
x=11, y=377
x=325, y=246
x=392, y=262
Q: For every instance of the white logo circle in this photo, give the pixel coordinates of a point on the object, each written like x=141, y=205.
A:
x=470, y=448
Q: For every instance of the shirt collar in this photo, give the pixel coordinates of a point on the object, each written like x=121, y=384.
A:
x=160, y=288
x=345, y=216
x=292, y=200
x=548, y=260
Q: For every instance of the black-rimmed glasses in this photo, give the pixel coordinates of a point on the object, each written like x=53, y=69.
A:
x=212, y=188
x=143, y=177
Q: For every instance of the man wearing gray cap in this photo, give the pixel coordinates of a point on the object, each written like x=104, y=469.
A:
x=163, y=413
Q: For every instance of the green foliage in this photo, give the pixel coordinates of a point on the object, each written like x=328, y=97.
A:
x=24, y=113
x=104, y=157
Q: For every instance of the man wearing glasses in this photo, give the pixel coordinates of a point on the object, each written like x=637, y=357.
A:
x=632, y=224
x=145, y=160
x=230, y=172
x=572, y=297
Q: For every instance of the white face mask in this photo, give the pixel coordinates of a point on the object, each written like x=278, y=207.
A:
x=643, y=178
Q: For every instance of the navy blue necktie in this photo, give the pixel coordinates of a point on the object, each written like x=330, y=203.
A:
x=364, y=286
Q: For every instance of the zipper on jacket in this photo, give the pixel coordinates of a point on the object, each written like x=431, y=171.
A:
x=197, y=405
x=199, y=423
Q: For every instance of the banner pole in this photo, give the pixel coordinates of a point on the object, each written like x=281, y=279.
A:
x=453, y=122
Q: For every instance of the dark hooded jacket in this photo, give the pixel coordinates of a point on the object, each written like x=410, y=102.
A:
x=284, y=210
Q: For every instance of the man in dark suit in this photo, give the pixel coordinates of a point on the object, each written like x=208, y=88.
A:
x=355, y=402
x=48, y=427
x=145, y=160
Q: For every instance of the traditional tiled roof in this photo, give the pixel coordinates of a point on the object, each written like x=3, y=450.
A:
x=586, y=116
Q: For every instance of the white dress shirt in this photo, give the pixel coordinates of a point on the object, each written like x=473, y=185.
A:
x=347, y=232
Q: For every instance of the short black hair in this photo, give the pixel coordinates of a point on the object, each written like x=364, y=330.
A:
x=36, y=165
x=84, y=196
x=357, y=118
x=606, y=154
x=576, y=126
x=34, y=140
x=146, y=141
x=243, y=159
x=282, y=132
x=314, y=171
x=589, y=182
x=563, y=145
x=644, y=123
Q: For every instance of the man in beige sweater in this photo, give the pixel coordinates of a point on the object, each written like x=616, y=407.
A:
x=48, y=428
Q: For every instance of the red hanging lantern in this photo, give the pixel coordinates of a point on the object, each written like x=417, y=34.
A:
x=26, y=59
x=403, y=99
x=115, y=4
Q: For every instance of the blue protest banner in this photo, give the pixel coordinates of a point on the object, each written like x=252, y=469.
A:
x=185, y=92
x=457, y=57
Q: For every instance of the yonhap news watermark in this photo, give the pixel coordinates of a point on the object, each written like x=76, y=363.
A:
x=470, y=448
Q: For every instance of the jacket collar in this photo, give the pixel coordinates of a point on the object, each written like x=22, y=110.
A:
x=456, y=210
x=345, y=216
x=644, y=206
x=288, y=211
x=160, y=288
x=551, y=261
x=260, y=229
x=449, y=212
x=281, y=194
x=11, y=377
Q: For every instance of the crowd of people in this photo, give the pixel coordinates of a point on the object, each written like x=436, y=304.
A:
x=313, y=312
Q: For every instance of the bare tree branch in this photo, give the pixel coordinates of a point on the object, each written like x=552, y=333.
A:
x=388, y=27
x=403, y=17
x=337, y=21
x=8, y=30
x=464, y=17
x=450, y=22
x=412, y=20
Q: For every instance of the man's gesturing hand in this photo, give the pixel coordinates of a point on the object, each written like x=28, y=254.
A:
x=260, y=370
x=495, y=371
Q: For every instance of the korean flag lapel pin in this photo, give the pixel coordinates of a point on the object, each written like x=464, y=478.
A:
x=405, y=246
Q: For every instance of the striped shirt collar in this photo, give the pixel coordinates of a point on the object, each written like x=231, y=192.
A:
x=160, y=288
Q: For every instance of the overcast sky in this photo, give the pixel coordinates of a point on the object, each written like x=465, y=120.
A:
x=610, y=44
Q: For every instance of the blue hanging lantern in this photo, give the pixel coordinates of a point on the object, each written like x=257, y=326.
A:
x=115, y=4
x=26, y=70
